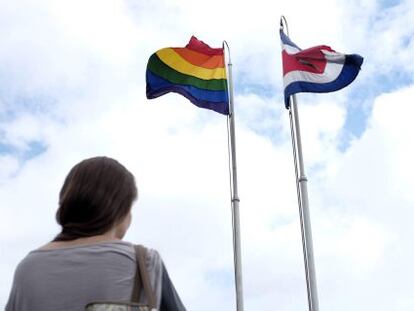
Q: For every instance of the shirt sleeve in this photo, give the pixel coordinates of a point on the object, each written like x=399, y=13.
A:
x=170, y=301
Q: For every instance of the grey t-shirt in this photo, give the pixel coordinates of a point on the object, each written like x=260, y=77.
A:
x=67, y=279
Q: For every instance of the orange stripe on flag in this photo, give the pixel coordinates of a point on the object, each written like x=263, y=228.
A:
x=201, y=60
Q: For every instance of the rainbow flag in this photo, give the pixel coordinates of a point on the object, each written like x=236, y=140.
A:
x=196, y=72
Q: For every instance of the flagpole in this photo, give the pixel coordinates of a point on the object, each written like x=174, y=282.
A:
x=234, y=189
x=302, y=191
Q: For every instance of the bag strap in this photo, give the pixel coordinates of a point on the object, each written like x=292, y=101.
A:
x=136, y=290
x=141, y=277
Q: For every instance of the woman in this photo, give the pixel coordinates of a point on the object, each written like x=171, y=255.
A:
x=88, y=261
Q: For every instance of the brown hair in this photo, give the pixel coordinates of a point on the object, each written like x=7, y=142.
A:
x=97, y=194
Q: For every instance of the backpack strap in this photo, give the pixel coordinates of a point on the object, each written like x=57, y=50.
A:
x=141, y=277
x=136, y=290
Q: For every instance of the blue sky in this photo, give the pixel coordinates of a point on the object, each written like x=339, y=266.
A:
x=73, y=86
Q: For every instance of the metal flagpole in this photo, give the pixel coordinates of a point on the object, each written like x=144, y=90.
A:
x=234, y=195
x=302, y=190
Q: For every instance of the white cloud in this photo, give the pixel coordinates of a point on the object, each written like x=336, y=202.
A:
x=9, y=166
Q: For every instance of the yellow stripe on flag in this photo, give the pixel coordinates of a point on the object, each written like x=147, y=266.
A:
x=176, y=62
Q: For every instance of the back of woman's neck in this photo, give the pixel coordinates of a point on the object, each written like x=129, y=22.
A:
x=106, y=237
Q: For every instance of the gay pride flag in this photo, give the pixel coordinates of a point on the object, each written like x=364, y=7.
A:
x=196, y=72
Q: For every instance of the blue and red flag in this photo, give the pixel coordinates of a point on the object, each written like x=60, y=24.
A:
x=319, y=69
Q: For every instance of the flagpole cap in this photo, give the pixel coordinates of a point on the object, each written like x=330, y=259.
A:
x=284, y=24
x=225, y=44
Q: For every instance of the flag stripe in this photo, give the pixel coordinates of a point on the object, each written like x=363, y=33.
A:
x=286, y=41
x=331, y=72
x=312, y=60
x=349, y=72
x=175, y=61
x=199, y=59
x=158, y=83
x=156, y=66
x=213, y=100
x=201, y=47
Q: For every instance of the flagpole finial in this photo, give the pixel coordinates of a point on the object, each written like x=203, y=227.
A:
x=225, y=44
x=284, y=24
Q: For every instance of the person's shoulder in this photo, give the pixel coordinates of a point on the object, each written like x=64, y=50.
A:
x=28, y=263
x=152, y=256
x=80, y=252
x=151, y=252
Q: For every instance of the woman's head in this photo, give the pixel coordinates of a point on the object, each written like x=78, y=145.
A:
x=96, y=196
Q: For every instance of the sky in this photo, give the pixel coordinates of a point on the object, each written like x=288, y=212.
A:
x=72, y=86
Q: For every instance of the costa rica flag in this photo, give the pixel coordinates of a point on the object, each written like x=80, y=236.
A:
x=318, y=69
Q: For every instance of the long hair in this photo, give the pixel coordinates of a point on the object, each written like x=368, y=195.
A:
x=96, y=195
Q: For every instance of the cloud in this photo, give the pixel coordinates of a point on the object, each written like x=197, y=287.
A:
x=367, y=201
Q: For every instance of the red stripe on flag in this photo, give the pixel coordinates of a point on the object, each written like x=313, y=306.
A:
x=201, y=47
x=310, y=60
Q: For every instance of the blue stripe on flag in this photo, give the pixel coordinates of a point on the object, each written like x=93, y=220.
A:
x=286, y=40
x=213, y=100
x=348, y=74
